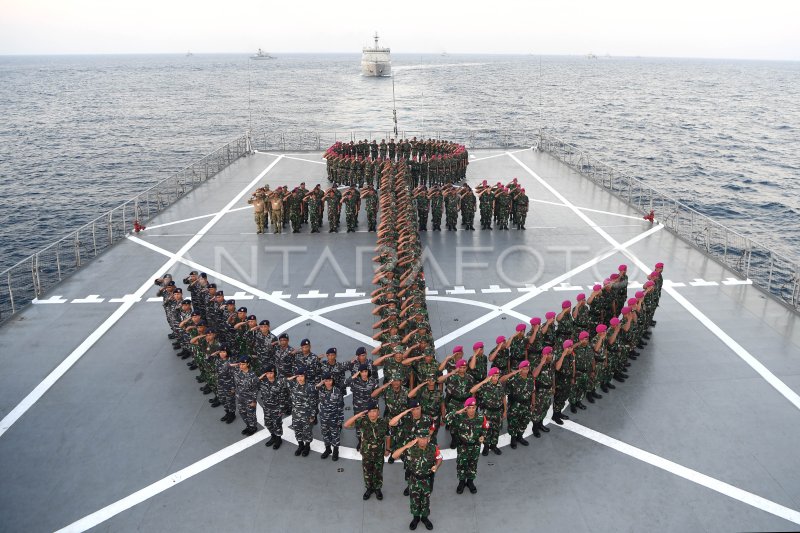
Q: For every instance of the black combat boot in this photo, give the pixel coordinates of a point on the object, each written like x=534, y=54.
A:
x=326, y=453
x=604, y=388
x=558, y=419
x=597, y=395
x=461, y=485
x=496, y=450
x=306, y=449
x=428, y=523
x=485, y=450
x=610, y=386
x=206, y=389
x=413, y=525
x=215, y=402
x=278, y=442
x=358, y=444
x=172, y=336
x=367, y=494
x=378, y=494
x=590, y=397
x=335, y=456
x=405, y=491
x=471, y=486
x=522, y=441
x=573, y=408
x=513, y=442
x=579, y=405
x=270, y=441
x=536, y=431
x=300, y=447
x=543, y=428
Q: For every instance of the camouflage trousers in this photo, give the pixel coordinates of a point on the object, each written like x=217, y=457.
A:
x=486, y=216
x=261, y=220
x=602, y=374
x=277, y=217
x=520, y=218
x=467, y=461
x=333, y=219
x=372, y=220
x=372, y=467
x=247, y=413
x=296, y=219
x=302, y=428
x=544, y=397
x=273, y=419
x=227, y=395
x=331, y=431
x=420, y=488
x=495, y=419
x=519, y=414
x=580, y=388
x=316, y=222
x=436, y=218
x=563, y=387
x=468, y=217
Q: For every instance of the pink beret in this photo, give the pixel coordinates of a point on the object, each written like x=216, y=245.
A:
x=606, y=281
x=601, y=328
x=535, y=321
x=613, y=276
x=566, y=304
x=623, y=268
x=500, y=339
x=648, y=283
x=640, y=294
x=626, y=310
x=567, y=344
x=458, y=348
x=653, y=274
x=523, y=364
x=461, y=363
x=631, y=301
x=477, y=346
x=597, y=287
x=659, y=265
x=549, y=315
x=583, y=335
x=546, y=350
x=494, y=370
x=581, y=297
x=521, y=327
x=614, y=322
x=469, y=401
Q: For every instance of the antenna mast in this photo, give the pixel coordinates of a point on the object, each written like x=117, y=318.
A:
x=394, y=107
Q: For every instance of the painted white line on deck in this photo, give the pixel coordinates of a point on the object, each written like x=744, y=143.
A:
x=497, y=155
x=686, y=473
x=295, y=158
x=55, y=299
x=199, y=217
x=589, y=209
x=101, y=330
x=755, y=364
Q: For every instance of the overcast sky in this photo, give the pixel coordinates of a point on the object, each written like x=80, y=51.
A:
x=763, y=29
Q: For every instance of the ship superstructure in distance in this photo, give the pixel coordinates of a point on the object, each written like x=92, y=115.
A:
x=261, y=55
x=376, y=61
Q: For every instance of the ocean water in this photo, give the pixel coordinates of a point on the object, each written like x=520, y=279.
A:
x=81, y=134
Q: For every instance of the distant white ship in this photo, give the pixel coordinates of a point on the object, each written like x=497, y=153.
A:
x=261, y=54
x=376, y=61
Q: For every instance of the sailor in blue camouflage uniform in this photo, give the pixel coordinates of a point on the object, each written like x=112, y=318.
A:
x=335, y=368
x=246, y=394
x=263, y=344
x=362, y=359
x=304, y=409
x=361, y=385
x=331, y=415
x=226, y=384
x=309, y=361
x=272, y=390
x=284, y=362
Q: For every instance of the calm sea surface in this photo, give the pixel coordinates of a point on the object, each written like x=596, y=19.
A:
x=81, y=134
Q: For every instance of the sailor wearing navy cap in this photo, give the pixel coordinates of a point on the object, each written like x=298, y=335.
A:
x=304, y=410
x=272, y=392
x=335, y=369
x=246, y=393
x=331, y=414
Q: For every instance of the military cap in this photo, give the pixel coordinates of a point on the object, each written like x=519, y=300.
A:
x=305, y=342
x=231, y=302
x=220, y=293
x=269, y=368
x=241, y=310
x=614, y=322
x=186, y=302
x=179, y=290
x=168, y=275
x=470, y=401
x=244, y=359
x=412, y=403
x=567, y=344
x=500, y=339
x=203, y=275
x=493, y=371
x=583, y=335
x=330, y=351
x=477, y=346
x=535, y=321
x=170, y=284
x=283, y=336
x=523, y=364
x=326, y=375
x=211, y=331
x=193, y=273
x=372, y=404
x=252, y=317
x=521, y=327
x=461, y=363
x=300, y=371
x=566, y=304
x=362, y=368
x=546, y=350
x=202, y=323
x=264, y=323
x=195, y=313
x=212, y=285
x=361, y=350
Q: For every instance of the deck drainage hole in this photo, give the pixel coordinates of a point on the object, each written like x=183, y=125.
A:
x=340, y=469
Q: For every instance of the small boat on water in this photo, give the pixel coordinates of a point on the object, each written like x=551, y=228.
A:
x=261, y=54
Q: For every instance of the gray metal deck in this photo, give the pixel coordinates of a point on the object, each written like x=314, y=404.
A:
x=702, y=437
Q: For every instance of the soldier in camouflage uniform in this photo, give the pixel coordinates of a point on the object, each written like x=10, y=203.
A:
x=521, y=202
x=361, y=386
x=373, y=430
x=429, y=397
x=246, y=393
x=422, y=460
x=584, y=361
x=331, y=199
x=565, y=380
x=457, y=386
x=370, y=196
x=500, y=356
x=304, y=409
x=406, y=425
x=565, y=322
x=543, y=377
x=502, y=208
x=272, y=389
x=520, y=386
x=313, y=204
x=451, y=205
x=491, y=396
x=350, y=201
x=335, y=368
x=395, y=400
x=437, y=207
x=602, y=376
x=331, y=415
x=478, y=363
x=258, y=201
x=467, y=207
x=485, y=204
x=296, y=209
x=226, y=384
x=423, y=205
x=263, y=343
x=470, y=427
x=517, y=346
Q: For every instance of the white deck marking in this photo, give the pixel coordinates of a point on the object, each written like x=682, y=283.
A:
x=670, y=283
x=738, y=349
x=734, y=281
x=686, y=473
x=567, y=287
x=277, y=294
x=261, y=294
x=494, y=289
x=199, y=217
x=702, y=283
x=55, y=299
x=313, y=294
x=459, y=289
x=349, y=293
x=589, y=209
x=101, y=330
x=241, y=296
x=91, y=299
x=473, y=160
x=127, y=298
x=295, y=158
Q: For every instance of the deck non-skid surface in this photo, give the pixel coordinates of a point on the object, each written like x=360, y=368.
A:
x=702, y=437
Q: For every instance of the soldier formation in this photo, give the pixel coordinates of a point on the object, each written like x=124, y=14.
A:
x=568, y=356
x=281, y=207
x=428, y=162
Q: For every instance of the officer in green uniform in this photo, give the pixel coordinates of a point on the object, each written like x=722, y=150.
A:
x=584, y=360
x=521, y=202
x=437, y=207
x=458, y=385
x=451, y=205
x=467, y=207
x=543, y=376
x=469, y=426
x=422, y=460
x=350, y=201
x=485, y=203
x=374, y=432
x=332, y=202
x=491, y=396
x=370, y=196
x=520, y=386
x=565, y=379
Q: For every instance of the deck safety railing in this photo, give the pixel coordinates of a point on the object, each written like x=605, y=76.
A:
x=33, y=276
x=772, y=272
